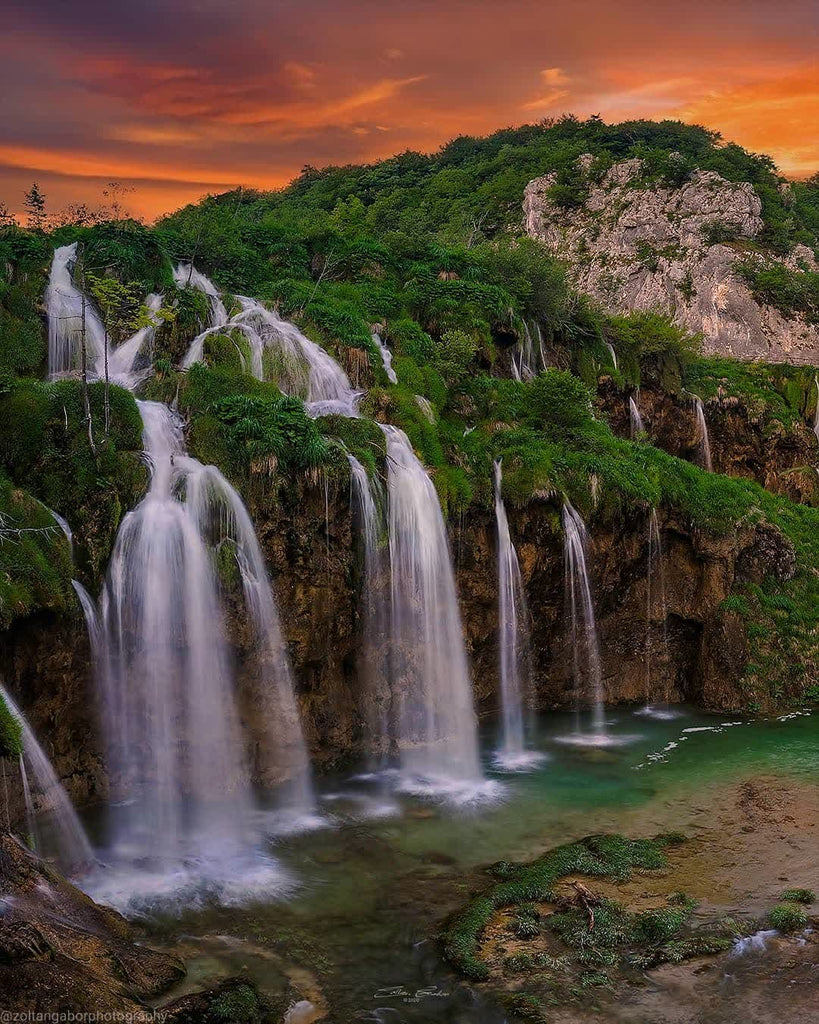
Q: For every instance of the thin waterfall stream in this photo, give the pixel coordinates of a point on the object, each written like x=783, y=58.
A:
x=514, y=654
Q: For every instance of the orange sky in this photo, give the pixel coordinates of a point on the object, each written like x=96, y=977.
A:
x=192, y=96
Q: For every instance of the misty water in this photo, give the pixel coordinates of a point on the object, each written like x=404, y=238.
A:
x=375, y=883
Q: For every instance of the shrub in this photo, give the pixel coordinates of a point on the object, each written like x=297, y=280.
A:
x=788, y=917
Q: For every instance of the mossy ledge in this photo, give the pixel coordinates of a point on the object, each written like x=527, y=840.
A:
x=603, y=856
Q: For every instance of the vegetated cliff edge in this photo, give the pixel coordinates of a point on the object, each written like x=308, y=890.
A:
x=689, y=251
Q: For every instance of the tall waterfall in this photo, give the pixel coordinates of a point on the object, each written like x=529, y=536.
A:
x=70, y=843
x=586, y=666
x=514, y=656
x=64, y=303
x=435, y=718
x=374, y=603
x=635, y=419
x=702, y=431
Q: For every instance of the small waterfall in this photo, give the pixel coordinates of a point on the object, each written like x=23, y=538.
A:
x=124, y=362
x=656, y=609
x=514, y=656
x=425, y=406
x=92, y=621
x=386, y=358
x=28, y=800
x=373, y=661
x=63, y=525
x=64, y=309
x=436, y=723
x=636, y=420
x=281, y=352
x=71, y=846
x=525, y=366
x=587, y=671
x=612, y=353
x=816, y=414
x=702, y=431
x=185, y=275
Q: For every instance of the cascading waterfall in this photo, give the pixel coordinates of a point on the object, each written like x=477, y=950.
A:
x=185, y=275
x=435, y=717
x=172, y=725
x=281, y=352
x=124, y=362
x=702, y=431
x=586, y=665
x=64, y=303
x=386, y=358
x=68, y=843
x=374, y=649
x=514, y=656
x=635, y=419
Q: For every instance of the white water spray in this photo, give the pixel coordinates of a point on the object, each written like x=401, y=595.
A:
x=435, y=718
x=586, y=665
x=635, y=419
x=702, y=432
x=386, y=358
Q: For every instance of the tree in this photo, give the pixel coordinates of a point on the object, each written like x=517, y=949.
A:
x=35, y=206
x=122, y=313
x=7, y=219
x=114, y=193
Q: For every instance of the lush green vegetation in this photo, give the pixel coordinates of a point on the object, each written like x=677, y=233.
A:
x=595, y=937
x=773, y=392
x=10, y=733
x=790, y=291
x=788, y=917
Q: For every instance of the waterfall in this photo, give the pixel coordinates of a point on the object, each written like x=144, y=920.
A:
x=124, y=361
x=435, y=718
x=28, y=800
x=514, y=656
x=222, y=518
x=374, y=649
x=656, y=607
x=612, y=353
x=702, y=431
x=526, y=365
x=425, y=406
x=282, y=353
x=185, y=275
x=635, y=419
x=816, y=414
x=586, y=666
x=72, y=849
x=386, y=358
x=64, y=304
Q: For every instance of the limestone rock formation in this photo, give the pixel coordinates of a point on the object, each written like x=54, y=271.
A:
x=638, y=246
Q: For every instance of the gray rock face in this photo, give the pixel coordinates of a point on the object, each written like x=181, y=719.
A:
x=633, y=247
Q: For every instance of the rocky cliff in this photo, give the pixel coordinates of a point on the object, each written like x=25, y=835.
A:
x=697, y=649
x=634, y=245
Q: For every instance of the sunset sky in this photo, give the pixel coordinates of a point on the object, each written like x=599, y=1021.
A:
x=183, y=97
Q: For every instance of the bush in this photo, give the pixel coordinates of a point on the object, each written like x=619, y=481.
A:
x=788, y=917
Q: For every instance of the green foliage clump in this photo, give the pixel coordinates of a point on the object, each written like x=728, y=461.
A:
x=651, y=349
x=24, y=258
x=774, y=392
x=792, y=292
x=11, y=733
x=610, y=856
x=44, y=448
x=788, y=917
x=798, y=896
x=236, y=1005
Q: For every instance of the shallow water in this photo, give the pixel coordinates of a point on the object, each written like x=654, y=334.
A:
x=383, y=870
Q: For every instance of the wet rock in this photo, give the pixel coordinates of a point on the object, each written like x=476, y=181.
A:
x=59, y=949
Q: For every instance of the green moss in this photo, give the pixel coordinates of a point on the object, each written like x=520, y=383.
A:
x=610, y=856
x=11, y=733
x=237, y=1005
